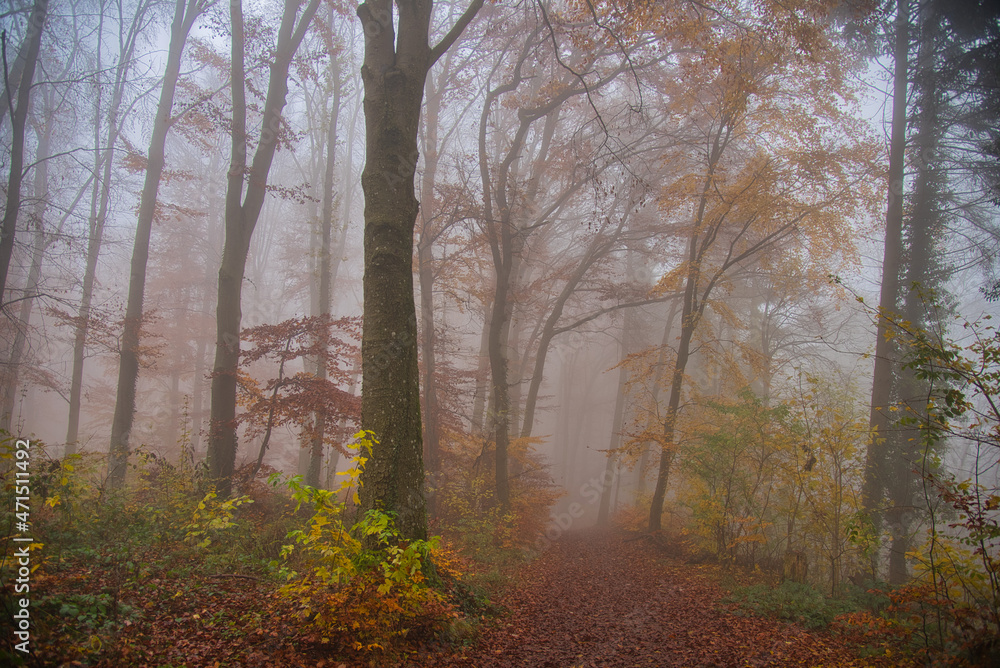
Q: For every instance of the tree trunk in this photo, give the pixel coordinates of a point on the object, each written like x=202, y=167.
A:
x=13, y=78
x=394, y=72
x=334, y=459
x=269, y=426
x=641, y=473
x=567, y=381
x=242, y=213
x=549, y=330
x=618, y=419
x=500, y=384
x=197, y=393
x=390, y=406
x=875, y=479
x=33, y=39
x=12, y=371
x=325, y=278
x=688, y=324
x=128, y=369
x=505, y=248
x=481, y=398
x=425, y=271
x=100, y=200
x=923, y=276
x=201, y=361
x=691, y=312
x=348, y=197
x=604, y=510
x=430, y=413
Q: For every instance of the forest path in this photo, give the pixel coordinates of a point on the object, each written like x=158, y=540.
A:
x=600, y=599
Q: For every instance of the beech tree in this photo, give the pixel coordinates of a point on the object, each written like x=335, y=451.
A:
x=245, y=194
x=523, y=196
x=296, y=398
x=105, y=142
x=394, y=72
x=185, y=14
x=759, y=182
x=439, y=218
x=19, y=118
x=320, y=304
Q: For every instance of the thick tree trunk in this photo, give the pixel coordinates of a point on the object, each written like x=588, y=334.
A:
x=128, y=369
x=394, y=72
x=8, y=229
x=394, y=84
x=242, y=213
x=500, y=385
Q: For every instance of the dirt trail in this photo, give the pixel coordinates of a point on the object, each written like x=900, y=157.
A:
x=598, y=599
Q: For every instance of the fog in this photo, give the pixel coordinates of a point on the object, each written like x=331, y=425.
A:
x=641, y=239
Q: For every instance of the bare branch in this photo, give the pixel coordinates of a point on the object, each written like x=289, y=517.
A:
x=456, y=31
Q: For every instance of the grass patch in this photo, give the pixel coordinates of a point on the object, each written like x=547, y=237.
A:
x=803, y=604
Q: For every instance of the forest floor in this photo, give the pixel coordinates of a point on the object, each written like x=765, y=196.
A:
x=593, y=599
x=606, y=599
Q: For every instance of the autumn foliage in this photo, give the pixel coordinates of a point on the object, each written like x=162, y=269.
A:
x=295, y=398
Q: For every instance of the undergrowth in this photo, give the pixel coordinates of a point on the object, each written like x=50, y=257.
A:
x=119, y=576
x=803, y=604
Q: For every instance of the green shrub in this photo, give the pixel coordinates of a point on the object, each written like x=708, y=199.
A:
x=791, y=601
x=371, y=599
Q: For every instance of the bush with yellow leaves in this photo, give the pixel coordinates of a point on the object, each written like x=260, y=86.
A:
x=369, y=600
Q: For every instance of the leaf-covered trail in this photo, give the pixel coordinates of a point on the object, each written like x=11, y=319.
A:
x=599, y=599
